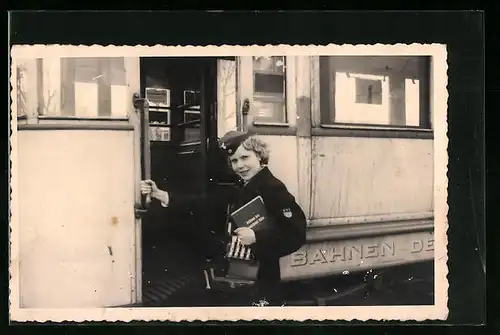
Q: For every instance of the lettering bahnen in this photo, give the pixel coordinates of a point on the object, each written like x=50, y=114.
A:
x=346, y=253
x=349, y=253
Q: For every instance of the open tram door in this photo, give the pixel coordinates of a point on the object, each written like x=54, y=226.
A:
x=184, y=106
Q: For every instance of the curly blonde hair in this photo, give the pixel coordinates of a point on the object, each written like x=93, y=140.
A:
x=258, y=146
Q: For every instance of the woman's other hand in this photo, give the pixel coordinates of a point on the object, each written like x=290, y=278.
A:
x=246, y=235
x=150, y=187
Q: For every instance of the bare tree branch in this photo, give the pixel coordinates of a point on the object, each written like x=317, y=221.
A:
x=46, y=105
x=21, y=93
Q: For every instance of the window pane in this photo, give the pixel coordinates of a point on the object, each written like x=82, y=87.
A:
x=192, y=116
x=269, y=83
x=83, y=87
x=159, y=112
x=274, y=64
x=192, y=100
x=380, y=90
x=227, y=118
x=93, y=87
x=21, y=82
x=269, y=89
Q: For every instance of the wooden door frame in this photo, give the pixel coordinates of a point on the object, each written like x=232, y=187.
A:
x=132, y=65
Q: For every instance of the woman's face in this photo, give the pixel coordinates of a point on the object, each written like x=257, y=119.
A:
x=245, y=163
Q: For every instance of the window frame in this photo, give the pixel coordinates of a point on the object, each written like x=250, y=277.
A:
x=245, y=90
x=34, y=120
x=323, y=115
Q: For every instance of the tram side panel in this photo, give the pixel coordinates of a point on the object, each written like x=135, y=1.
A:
x=379, y=187
x=355, y=176
x=283, y=160
x=76, y=218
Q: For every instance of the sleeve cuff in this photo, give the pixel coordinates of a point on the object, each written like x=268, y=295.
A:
x=165, y=199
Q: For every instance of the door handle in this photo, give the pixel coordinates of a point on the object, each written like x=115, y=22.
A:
x=139, y=211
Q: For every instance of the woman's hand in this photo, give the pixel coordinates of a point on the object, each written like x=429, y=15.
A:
x=149, y=187
x=246, y=235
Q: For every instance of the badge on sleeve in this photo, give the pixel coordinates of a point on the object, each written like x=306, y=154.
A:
x=287, y=212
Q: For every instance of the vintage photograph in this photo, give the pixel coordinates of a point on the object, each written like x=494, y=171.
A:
x=277, y=182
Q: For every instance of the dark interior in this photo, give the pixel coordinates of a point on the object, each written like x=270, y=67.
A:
x=178, y=244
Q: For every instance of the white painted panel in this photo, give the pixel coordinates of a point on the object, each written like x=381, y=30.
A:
x=371, y=176
x=76, y=220
x=283, y=160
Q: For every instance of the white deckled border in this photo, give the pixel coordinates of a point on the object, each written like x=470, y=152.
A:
x=439, y=106
x=38, y=50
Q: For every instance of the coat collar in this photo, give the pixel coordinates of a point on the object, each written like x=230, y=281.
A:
x=257, y=180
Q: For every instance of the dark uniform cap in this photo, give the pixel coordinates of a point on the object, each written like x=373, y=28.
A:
x=232, y=140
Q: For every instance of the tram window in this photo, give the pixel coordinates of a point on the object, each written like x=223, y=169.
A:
x=82, y=87
x=375, y=90
x=269, y=75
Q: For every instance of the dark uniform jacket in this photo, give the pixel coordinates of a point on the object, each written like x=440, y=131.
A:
x=286, y=228
x=284, y=233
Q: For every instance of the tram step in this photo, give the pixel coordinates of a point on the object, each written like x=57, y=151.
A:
x=159, y=291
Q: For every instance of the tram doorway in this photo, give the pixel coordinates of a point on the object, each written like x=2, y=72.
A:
x=182, y=132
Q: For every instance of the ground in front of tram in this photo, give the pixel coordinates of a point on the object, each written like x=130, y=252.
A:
x=404, y=285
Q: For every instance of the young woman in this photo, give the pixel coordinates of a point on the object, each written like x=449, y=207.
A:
x=285, y=231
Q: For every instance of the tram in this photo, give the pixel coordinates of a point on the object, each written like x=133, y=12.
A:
x=350, y=136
